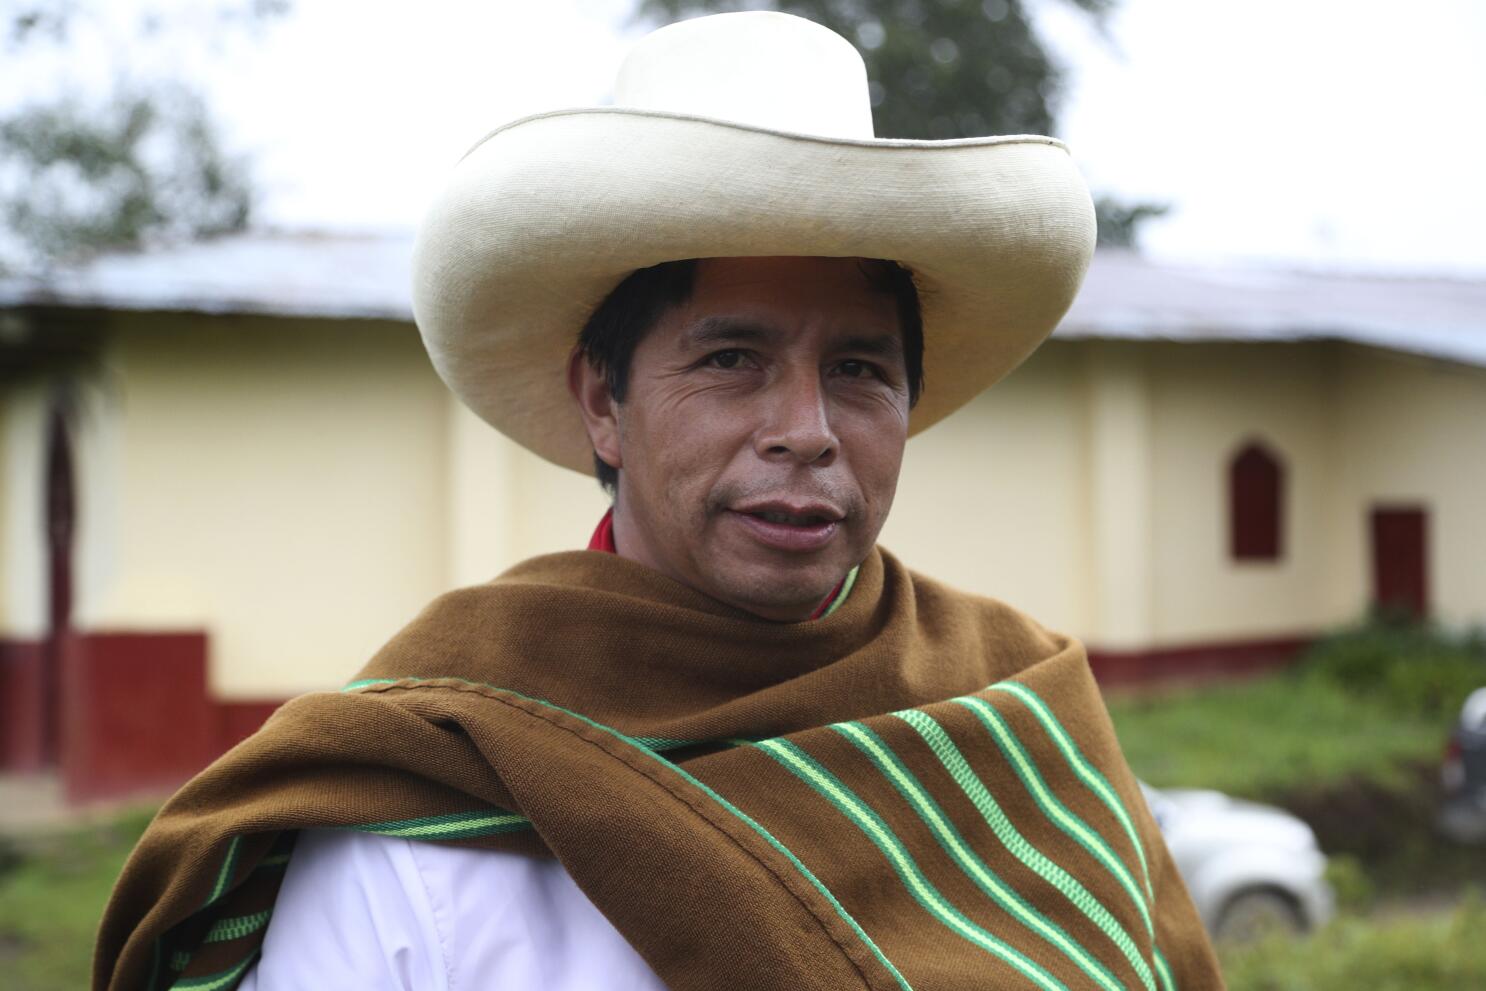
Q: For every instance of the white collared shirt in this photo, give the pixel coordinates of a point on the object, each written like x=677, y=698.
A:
x=362, y=912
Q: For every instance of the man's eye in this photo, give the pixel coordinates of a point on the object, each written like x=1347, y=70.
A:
x=726, y=359
x=855, y=369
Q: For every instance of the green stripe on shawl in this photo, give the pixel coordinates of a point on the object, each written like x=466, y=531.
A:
x=1058, y=813
x=224, y=876
x=971, y=865
x=1167, y=981
x=830, y=787
x=658, y=744
x=846, y=584
x=1081, y=766
x=1096, y=782
x=236, y=927
x=452, y=826
x=216, y=982
x=955, y=763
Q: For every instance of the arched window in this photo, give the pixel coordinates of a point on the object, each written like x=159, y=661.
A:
x=1256, y=487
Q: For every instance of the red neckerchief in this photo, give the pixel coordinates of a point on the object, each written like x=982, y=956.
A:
x=603, y=540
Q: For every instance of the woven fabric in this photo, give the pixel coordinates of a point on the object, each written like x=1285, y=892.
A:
x=920, y=790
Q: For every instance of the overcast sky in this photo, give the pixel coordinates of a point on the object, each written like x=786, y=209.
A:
x=1331, y=133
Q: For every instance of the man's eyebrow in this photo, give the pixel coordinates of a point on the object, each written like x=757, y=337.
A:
x=876, y=345
x=719, y=330
x=712, y=331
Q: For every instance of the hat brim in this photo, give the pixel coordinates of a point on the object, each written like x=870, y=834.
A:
x=545, y=216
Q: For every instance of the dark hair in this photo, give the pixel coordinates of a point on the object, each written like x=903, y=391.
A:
x=609, y=338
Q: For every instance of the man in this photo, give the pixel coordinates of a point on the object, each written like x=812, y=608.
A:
x=744, y=747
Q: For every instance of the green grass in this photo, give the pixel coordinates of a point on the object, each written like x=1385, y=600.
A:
x=1435, y=952
x=52, y=893
x=1369, y=703
x=1271, y=735
x=1349, y=740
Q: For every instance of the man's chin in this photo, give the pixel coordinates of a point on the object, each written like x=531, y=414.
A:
x=783, y=595
x=777, y=583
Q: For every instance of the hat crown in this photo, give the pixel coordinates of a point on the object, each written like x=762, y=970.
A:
x=759, y=68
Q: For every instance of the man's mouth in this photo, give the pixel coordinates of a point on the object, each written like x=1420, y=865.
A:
x=791, y=512
x=792, y=519
x=782, y=526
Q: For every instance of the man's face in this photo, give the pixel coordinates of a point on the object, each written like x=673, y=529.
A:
x=761, y=436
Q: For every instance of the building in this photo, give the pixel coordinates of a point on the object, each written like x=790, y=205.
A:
x=229, y=474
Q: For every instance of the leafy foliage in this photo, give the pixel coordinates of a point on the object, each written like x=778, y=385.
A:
x=1268, y=736
x=1119, y=222
x=32, y=20
x=1365, y=702
x=144, y=164
x=1414, y=669
x=946, y=69
x=937, y=68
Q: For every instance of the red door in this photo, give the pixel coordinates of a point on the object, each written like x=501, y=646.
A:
x=1400, y=562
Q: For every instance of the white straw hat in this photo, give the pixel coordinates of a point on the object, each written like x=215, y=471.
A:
x=745, y=134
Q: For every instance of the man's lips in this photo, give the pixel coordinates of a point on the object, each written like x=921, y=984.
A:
x=789, y=526
x=805, y=513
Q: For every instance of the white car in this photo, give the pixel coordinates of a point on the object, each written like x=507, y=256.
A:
x=1251, y=868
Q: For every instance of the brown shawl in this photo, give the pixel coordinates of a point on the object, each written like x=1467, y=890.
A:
x=922, y=790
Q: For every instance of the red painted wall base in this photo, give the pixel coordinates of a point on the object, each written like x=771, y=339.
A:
x=236, y=721
x=138, y=717
x=1195, y=661
x=21, y=745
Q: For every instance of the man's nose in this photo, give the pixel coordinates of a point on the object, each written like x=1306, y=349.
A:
x=797, y=421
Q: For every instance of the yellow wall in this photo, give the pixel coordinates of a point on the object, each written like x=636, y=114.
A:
x=278, y=483
x=1415, y=433
x=1207, y=402
x=300, y=489
x=510, y=504
x=992, y=500
x=1117, y=498
x=22, y=512
x=1090, y=488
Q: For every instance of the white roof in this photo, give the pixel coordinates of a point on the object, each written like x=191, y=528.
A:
x=1125, y=296
x=319, y=275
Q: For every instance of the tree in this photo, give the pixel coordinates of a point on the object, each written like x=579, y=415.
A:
x=143, y=164
x=945, y=69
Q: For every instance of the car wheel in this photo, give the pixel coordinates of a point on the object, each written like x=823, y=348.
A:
x=1256, y=913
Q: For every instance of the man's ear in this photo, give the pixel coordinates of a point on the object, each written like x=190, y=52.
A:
x=590, y=387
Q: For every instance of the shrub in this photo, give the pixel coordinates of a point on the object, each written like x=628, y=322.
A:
x=1441, y=952
x=1271, y=736
x=1419, y=669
